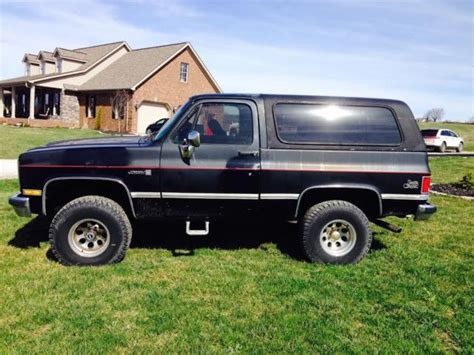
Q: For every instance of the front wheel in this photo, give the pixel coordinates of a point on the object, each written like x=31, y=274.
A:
x=460, y=148
x=335, y=232
x=90, y=230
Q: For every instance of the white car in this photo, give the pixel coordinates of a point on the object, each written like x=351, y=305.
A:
x=442, y=139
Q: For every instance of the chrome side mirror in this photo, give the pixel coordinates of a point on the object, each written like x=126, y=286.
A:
x=187, y=148
x=194, y=138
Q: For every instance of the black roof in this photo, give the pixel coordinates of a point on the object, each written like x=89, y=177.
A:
x=307, y=98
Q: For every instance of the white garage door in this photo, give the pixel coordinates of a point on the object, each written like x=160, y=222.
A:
x=148, y=113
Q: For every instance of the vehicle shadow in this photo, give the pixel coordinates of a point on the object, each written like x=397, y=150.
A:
x=172, y=236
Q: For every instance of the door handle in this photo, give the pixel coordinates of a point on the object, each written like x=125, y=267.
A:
x=252, y=153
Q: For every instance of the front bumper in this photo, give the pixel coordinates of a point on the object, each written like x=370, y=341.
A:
x=20, y=204
x=424, y=212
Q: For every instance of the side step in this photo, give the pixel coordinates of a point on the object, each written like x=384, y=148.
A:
x=195, y=232
x=388, y=226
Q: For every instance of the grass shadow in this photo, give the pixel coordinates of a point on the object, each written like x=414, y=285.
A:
x=31, y=234
x=172, y=236
x=223, y=235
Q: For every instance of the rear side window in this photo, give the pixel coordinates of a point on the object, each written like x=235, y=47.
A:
x=334, y=124
x=429, y=132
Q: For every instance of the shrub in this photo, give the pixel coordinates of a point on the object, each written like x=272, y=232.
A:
x=466, y=182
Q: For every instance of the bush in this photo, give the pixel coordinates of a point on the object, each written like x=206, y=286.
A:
x=466, y=182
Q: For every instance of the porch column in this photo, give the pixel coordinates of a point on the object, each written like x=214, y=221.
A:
x=13, y=115
x=2, y=105
x=32, y=103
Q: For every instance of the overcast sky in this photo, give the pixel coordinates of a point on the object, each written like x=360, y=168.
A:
x=417, y=51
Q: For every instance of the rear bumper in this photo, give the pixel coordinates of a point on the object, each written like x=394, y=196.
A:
x=424, y=212
x=20, y=204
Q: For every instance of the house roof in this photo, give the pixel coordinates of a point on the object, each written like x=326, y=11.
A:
x=70, y=54
x=131, y=68
x=45, y=55
x=92, y=56
x=127, y=72
x=31, y=58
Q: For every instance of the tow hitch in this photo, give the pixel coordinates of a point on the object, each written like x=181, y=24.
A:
x=391, y=227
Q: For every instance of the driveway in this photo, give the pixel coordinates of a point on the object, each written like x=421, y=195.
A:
x=8, y=169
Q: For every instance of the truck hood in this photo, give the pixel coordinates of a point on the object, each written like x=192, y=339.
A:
x=122, y=140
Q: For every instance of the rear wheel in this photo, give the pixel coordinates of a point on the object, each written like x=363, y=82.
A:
x=442, y=147
x=335, y=232
x=90, y=230
x=460, y=147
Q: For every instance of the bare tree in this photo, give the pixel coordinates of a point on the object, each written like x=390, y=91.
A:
x=435, y=114
x=119, y=103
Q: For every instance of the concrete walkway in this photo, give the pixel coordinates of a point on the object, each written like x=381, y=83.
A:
x=8, y=169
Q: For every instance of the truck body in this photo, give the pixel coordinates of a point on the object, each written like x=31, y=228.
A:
x=240, y=156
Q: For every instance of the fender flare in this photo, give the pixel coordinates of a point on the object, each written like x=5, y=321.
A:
x=118, y=181
x=341, y=186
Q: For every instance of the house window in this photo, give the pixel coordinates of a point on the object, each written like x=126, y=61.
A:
x=90, y=109
x=27, y=69
x=43, y=67
x=59, y=65
x=183, y=72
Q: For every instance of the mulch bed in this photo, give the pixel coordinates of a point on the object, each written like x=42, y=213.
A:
x=453, y=190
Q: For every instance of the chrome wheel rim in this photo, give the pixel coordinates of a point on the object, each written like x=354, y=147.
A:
x=89, y=237
x=338, y=237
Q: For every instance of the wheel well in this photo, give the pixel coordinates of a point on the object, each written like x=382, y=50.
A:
x=366, y=199
x=60, y=192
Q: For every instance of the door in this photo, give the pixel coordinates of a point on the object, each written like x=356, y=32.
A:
x=148, y=113
x=222, y=176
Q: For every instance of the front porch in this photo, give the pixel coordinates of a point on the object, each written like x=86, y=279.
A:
x=35, y=102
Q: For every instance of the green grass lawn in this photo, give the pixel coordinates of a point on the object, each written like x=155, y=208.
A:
x=244, y=290
x=16, y=140
x=463, y=129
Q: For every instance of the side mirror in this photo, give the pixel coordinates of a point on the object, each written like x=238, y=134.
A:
x=194, y=138
x=187, y=148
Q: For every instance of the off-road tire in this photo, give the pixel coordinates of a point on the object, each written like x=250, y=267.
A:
x=318, y=216
x=460, y=148
x=108, y=212
x=442, y=147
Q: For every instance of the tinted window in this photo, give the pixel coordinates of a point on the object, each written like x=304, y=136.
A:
x=429, y=132
x=445, y=133
x=331, y=124
x=220, y=124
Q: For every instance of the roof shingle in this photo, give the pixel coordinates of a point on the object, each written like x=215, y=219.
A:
x=131, y=68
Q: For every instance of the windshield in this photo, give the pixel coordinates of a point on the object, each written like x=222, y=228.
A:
x=429, y=132
x=172, y=121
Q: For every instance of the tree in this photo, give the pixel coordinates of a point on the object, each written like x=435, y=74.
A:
x=435, y=114
x=119, y=104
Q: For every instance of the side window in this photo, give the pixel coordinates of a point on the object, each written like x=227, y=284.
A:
x=445, y=133
x=187, y=126
x=336, y=124
x=219, y=123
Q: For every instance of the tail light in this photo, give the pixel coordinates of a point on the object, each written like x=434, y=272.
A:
x=425, y=184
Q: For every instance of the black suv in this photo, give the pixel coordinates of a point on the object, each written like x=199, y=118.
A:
x=330, y=164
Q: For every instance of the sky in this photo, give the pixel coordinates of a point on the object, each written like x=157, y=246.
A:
x=417, y=51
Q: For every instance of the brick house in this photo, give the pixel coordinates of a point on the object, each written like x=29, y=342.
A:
x=109, y=87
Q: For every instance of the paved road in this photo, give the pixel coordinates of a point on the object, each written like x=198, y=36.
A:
x=8, y=169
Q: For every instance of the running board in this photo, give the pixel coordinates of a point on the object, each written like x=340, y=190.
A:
x=195, y=232
x=388, y=226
